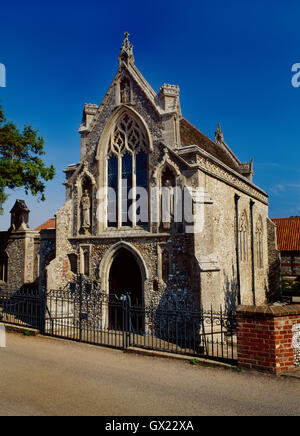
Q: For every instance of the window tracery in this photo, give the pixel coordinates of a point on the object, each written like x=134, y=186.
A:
x=127, y=174
x=128, y=135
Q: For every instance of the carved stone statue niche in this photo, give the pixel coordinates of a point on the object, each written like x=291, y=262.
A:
x=86, y=213
x=168, y=185
x=125, y=91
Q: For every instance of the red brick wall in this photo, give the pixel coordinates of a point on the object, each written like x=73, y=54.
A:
x=290, y=263
x=265, y=336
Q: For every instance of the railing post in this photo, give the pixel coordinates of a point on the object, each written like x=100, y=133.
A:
x=80, y=307
x=43, y=304
x=128, y=305
x=124, y=325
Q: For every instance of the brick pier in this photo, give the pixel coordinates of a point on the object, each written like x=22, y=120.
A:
x=268, y=337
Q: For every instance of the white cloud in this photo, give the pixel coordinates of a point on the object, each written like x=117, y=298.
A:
x=282, y=188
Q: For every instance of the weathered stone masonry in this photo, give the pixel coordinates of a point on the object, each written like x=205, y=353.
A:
x=207, y=267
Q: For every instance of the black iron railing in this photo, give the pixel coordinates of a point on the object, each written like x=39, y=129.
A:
x=185, y=330
x=83, y=313
x=24, y=307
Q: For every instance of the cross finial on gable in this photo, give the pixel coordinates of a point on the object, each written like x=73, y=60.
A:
x=126, y=54
x=219, y=136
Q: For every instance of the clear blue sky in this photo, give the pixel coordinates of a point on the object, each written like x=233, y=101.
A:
x=232, y=60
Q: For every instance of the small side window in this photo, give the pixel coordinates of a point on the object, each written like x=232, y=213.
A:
x=3, y=267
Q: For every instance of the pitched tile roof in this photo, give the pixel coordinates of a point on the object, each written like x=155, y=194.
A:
x=50, y=224
x=190, y=135
x=288, y=233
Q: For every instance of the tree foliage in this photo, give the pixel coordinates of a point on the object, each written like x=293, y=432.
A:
x=21, y=163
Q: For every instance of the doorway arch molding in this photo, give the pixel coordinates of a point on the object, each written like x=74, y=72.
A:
x=109, y=257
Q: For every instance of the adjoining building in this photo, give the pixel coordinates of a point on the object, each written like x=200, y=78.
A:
x=154, y=207
x=288, y=243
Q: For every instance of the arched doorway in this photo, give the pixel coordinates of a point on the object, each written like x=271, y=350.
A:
x=125, y=277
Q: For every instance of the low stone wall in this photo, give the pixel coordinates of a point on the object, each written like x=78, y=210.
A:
x=268, y=337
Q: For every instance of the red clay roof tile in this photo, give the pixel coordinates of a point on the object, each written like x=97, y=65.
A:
x=50, y=224
x=288, y=233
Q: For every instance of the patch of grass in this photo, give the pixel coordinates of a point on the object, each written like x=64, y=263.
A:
x=194, y=361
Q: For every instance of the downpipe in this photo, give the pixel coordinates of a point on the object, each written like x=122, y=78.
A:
x=236, y=199
x=252, y=203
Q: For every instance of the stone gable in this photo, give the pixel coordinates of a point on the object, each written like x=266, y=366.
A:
x=211, y=266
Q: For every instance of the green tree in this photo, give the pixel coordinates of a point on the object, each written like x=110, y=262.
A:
x=21, y=163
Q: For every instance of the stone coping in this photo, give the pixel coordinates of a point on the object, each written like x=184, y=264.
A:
x=18, y=234
x=122, y=235
x=194, y=147
x=269, y=311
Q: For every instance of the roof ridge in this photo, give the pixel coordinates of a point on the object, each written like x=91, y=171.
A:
x=287, y=218
x=198, y=130
x=223, y=153
x=46, y=225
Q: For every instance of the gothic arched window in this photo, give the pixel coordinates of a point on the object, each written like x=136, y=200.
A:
x=259, y=243
x=243, y=237
x=127, y=174
x=112, y=183
x=141, y=177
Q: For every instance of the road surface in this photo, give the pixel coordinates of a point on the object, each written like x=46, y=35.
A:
x=44, y=376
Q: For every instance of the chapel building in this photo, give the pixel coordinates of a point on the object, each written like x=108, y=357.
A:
x=154, y=208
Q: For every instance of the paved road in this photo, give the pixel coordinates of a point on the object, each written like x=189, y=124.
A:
x=45, y=376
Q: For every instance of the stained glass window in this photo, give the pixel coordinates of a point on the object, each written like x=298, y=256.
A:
x=141, y=166
x=126, y=187
x=127, y=151
x=112, y=194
